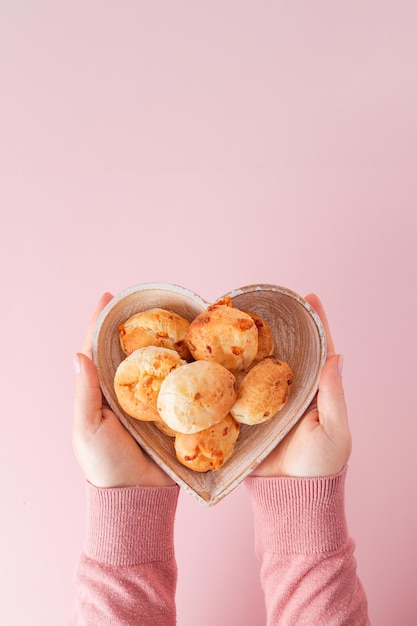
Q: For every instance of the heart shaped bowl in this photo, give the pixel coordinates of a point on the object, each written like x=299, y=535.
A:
x=299, y=340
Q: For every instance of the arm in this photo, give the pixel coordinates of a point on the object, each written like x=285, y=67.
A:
x=127, y=571
x=308, y=569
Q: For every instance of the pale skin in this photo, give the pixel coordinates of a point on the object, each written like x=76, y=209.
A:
x=319, y=445
x=107, y=453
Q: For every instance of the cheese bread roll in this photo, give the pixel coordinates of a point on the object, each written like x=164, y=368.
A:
x=263, y=391
x=208, y=449
x=165, y=429
x=225, y=335
x=138, y=379
x=155, y=327
x=195, y=396
x=266, y=343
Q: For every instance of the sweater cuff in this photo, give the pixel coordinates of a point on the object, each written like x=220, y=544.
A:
x=131, y=525
x=299, y=515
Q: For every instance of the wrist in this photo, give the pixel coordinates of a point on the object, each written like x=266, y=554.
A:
x=117, y=519
x=299, y=515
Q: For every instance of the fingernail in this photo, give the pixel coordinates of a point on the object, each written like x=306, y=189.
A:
x=340, y=364
x=77, y=364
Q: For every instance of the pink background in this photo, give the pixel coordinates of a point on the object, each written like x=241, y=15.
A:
x=212, y=145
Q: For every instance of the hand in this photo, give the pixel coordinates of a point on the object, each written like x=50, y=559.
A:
x=107, y=453
x=320, y=443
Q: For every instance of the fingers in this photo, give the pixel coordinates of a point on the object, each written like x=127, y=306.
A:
x=104, y=300
x=315, y=302
x=331, y=402
x=88, y=401
x=88, y=398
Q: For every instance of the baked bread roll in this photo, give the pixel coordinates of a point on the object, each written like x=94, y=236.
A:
x=208, y=449
x=266, y=342
x=225, y=335
x=263, y=391
x=138, y=379
x=155, y=327
x=196, y=395
x=165, y=429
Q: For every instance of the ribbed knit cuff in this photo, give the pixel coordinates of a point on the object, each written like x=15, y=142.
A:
x=299, y=515
x=132, y=525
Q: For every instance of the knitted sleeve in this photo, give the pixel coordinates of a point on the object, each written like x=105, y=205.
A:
x=308, y=568
x=127, y=572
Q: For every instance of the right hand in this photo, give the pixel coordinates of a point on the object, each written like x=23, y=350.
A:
x=320, y=443
x=107, y=453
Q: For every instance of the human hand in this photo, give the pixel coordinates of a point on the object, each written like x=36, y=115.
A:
x=320, y=443
x=107, y=453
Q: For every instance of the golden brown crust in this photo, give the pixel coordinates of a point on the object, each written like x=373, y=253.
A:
x=263, y=391
x=138, y=379
x=225, y=335
x=208, y=449
x=155, y=327
x=196, y=396
x=266, y=342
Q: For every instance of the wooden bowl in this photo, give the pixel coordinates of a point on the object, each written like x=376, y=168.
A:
x=299, y=339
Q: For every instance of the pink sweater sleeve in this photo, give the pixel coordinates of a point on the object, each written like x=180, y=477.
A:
x=127, y=572
x=308, y=569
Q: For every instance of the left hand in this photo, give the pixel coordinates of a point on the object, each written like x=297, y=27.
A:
x=320, y=443
x=107, y=453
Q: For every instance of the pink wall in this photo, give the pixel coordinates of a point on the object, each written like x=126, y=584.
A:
x=210, y=144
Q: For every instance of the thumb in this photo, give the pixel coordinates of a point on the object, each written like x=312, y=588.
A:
x=88, y=402
x=331, y=402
